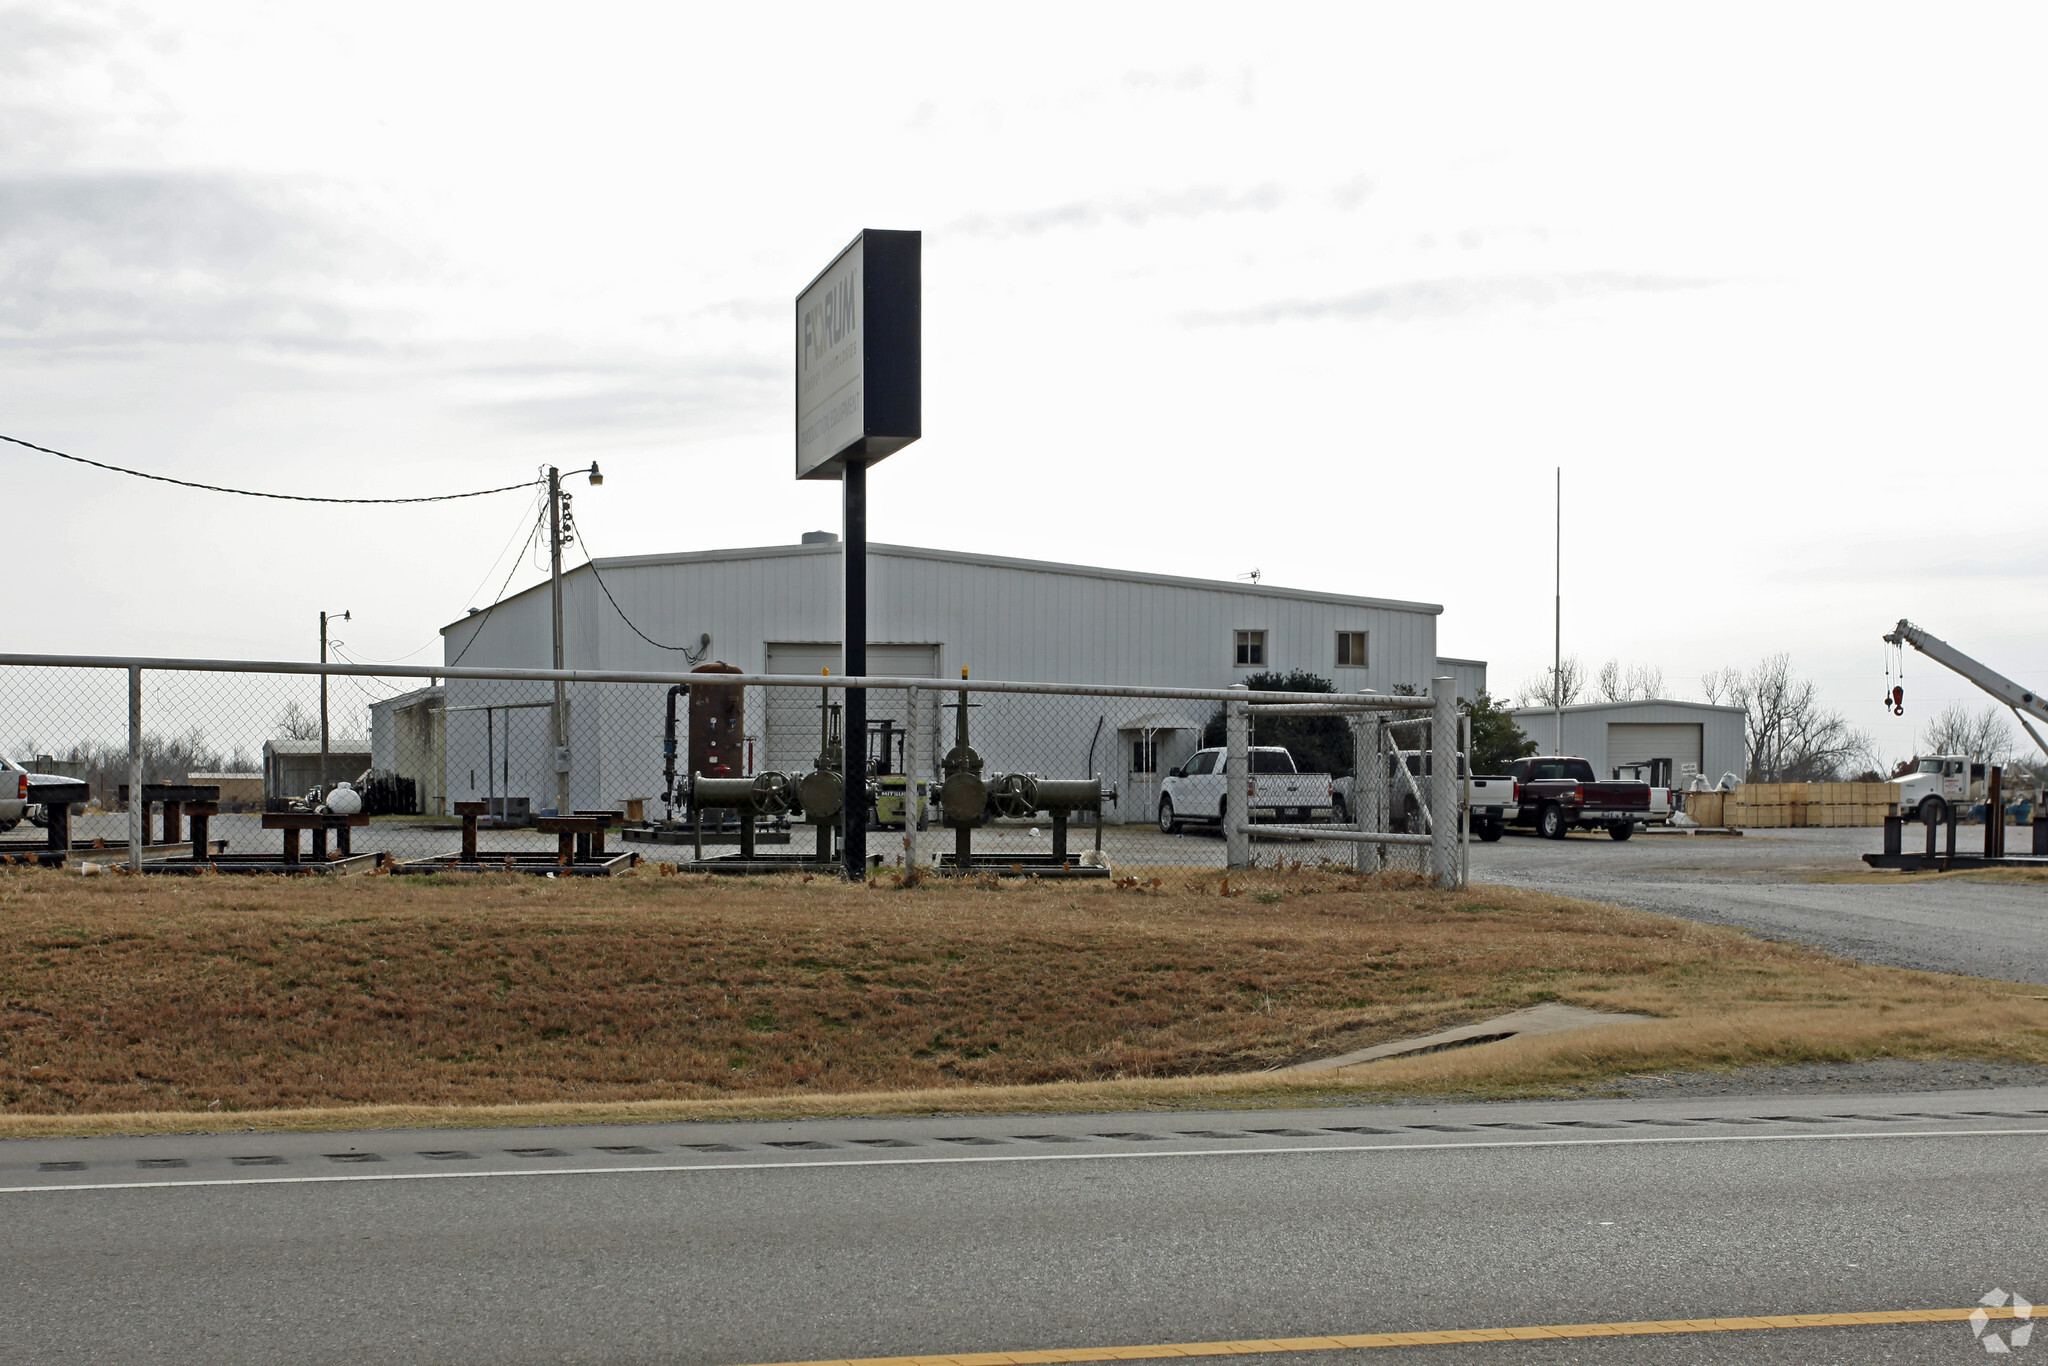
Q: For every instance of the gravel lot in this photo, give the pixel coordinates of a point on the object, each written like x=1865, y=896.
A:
x=1764, y=881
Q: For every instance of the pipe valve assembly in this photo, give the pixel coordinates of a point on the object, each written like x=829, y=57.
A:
x=971, y=797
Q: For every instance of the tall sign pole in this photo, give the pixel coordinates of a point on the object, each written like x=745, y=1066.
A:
x=859, y=398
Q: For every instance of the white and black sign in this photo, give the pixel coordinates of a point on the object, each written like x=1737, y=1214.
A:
x=858, y=355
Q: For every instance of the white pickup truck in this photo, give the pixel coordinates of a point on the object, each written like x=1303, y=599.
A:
x=1195, y=791
x=14, y=803
x=1492, y=800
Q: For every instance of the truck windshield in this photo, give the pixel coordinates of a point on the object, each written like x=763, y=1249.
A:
x=1930, y=766
x=1272, y=761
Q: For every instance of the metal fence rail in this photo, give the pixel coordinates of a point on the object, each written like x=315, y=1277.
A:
x=1072, y=774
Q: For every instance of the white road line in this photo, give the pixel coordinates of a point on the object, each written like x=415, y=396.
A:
x=1659, y=1140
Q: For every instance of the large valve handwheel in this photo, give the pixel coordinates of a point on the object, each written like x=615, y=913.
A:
x=1015, y=795
x=772, y=793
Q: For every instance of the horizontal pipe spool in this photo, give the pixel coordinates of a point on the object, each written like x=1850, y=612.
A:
x=1070, y=794
x=765, y=794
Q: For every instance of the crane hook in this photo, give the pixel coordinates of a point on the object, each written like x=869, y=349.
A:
x=1896, y=703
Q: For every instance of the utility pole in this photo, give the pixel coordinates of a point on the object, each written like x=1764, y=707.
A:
x=1557, y=621
x=559, y=712
x=323, y=704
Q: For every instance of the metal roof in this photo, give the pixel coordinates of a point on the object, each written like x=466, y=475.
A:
x=912, y=552
x=1544, y=709
x=351, y=745
x=1159, y=720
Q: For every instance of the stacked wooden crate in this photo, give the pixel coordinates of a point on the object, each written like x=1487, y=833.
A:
x=1783, y=806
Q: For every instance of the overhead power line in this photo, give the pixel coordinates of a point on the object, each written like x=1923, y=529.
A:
x=477, y=634
x=695, y=656
x=252, y=493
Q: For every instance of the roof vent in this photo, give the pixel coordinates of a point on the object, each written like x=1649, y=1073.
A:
x=821, y=538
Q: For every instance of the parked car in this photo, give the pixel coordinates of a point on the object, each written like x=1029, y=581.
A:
x=1558, y=794
x=1491, y=798
x=1195, y=791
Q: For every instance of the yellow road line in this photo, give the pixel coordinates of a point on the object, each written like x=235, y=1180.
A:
x=1353, y=1341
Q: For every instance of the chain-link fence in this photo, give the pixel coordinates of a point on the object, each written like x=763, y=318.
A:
x=487, y=768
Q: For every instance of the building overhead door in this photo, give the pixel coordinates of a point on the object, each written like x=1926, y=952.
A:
x=1638, y=743
x=791, y=725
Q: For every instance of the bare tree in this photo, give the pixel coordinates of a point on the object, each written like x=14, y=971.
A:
x=1542, y=690
x=296, y=723
x=1639, y=682
x=1985, y=737
x=1718, y=685
x=1792, y=737
x=1867, y=762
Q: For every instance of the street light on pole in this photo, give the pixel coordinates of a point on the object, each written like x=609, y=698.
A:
x=561, y=531
x=324, y=619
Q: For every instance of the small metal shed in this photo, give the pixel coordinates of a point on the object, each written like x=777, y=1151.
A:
x=1695, y=737
x=291, y=768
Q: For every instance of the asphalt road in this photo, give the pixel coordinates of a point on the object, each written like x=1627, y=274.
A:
x=865, y=1238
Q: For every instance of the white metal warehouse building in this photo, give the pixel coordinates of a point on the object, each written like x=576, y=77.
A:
x=1697, y=737
x=776, y=610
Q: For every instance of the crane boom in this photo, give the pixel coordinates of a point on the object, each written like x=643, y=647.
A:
x=2023, y=701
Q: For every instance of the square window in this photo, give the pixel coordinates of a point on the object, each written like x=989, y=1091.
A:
x=1351, y=649
x=1251, y=648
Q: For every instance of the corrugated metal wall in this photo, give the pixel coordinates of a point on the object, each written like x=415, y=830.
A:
x=1003, y=620
x=1722, y=730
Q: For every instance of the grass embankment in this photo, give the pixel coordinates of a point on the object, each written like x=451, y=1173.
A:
x=206, y=999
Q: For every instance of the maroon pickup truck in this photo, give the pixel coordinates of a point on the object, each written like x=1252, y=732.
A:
x=1558, y=794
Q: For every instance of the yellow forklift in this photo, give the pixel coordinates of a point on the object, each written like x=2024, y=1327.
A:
x=887, y=780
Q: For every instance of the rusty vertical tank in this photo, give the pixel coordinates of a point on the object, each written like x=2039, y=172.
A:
x=718, y=717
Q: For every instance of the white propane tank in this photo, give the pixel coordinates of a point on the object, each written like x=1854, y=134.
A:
x=344, y=800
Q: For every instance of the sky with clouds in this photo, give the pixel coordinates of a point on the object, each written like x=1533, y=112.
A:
x=1326, y=291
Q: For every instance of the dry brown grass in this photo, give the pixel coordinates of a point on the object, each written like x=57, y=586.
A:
x=651, y=997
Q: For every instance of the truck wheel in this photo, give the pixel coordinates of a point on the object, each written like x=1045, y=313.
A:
x=5, y=826
x=1340, y=813
x=1622, y=830
x=1933, y=811
x=1491, y=831
x=1169, y=824
x=1551, y=824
